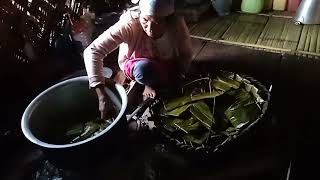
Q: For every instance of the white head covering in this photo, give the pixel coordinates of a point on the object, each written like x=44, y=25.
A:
x=157, y=7
x=134, y=1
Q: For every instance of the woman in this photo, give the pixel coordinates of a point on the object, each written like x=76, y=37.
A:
x=153, y=43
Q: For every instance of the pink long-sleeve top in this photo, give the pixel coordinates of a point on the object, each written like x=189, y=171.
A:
x=128, y=35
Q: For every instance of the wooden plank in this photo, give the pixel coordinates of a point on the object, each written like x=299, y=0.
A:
x=238, y=31
x=308, y=53
x=242, y=28
x=220, y=27
x=254, y=27
x=251, y=24
x=303, y=38
x=267, y=34
x=191, y=26
x=278, y=31
x=221, y=30
x=318, y=42
x=272, y=32
x=257, y=30
x=281, y=40
x=274, y=39
x=203, y=27
x=197, y=46
x=275, y=32
x=256, y=46
x=283, y=14
x=245, y=33
x=248, y=18
x=293, y=36
x=230, y=31
x=234, y=31
x=314, y=37
x=308, y=39
x=263, y=34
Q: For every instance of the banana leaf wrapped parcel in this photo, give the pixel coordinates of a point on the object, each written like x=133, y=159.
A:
x=212, y=110
x=82, y=131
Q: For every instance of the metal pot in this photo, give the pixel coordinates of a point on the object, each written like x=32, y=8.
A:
x=48, y=116
x=308, y=12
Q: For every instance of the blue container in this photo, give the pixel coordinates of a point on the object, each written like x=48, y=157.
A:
x=223, y=7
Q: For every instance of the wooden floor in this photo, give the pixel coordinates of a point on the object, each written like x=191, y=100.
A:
x=273, y=32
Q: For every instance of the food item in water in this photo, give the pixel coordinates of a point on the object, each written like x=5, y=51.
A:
x=82, y=131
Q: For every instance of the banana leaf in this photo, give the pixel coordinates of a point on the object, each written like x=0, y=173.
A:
x=225, y=84
x=196, y=86
x=201, y=112
x=204, y=109
x=227, y=74
x=237, y=104
x=233, y=83
x=254, y=91
x=169, y=123
x=188, y=125
x=240, y=113
x=178, y=102
x=241, y=80
x=175, y=124
x=89, y=129
x=75, y=130
x=230, y=131
x=104, y=124
x=177, y=111
x=197, y=138
x=241, y=95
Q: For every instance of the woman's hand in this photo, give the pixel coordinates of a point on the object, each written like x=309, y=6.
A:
x=105, y=105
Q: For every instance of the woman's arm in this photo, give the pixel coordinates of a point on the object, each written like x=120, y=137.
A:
x=101, y=47
x=93, y=58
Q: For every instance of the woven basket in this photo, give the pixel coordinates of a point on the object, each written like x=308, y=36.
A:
x=190, y=148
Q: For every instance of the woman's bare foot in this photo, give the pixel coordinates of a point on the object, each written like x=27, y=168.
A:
x=149, y=92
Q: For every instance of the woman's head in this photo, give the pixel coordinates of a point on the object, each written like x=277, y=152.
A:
x=153, y=17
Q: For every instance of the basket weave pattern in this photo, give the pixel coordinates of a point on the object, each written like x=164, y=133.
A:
x=32, y=21
x=189, y=147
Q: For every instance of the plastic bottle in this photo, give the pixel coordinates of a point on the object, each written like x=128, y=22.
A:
x=252, y=6
x=293, y=5
x=279, y=5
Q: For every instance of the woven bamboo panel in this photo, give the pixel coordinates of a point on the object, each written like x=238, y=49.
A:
x=221, y=27
x=292, y=35
x=283, y=14
x=203, y=28
x=275, y=32
x=271, y=34
x=191, y=26
x=246, y=29
x=234, y=31
x=310, y=40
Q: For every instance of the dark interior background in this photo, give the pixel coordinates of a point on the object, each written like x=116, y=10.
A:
x=41, y=24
